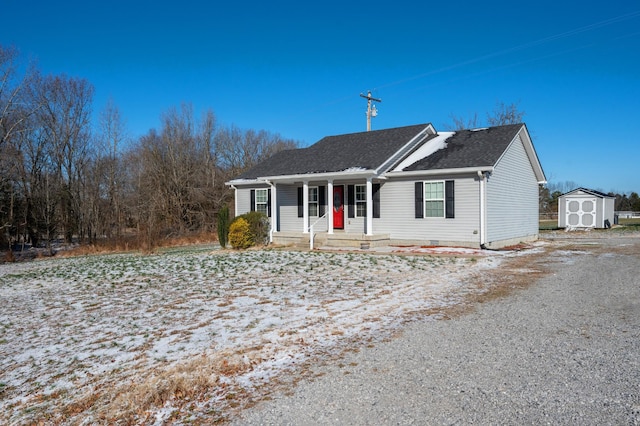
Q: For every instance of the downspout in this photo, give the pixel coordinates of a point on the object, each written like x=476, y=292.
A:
x=369, y=218
x=483, y=207
x=235, y=200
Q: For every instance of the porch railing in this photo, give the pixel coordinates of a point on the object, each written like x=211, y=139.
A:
x=311, y=230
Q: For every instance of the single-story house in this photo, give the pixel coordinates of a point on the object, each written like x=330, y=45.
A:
x=407, y=185
x=586, y=208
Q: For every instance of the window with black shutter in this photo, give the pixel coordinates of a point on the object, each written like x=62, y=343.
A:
x=435, y=199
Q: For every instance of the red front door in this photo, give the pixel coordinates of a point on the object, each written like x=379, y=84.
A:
x=338, y=207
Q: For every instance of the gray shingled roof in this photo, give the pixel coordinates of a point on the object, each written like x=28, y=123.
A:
x=470, y=148
x=367, y=150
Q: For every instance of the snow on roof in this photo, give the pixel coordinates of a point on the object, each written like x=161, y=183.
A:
x=428, y=148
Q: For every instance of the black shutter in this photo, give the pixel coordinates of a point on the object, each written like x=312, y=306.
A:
x=350, y=200
x=321, y=200
x=449, y=196
x=376, y=200
x=300, y=206
x=269, y=202
x=253, y=200
x=419, y=200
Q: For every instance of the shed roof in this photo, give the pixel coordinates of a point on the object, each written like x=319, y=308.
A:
x=590, y=192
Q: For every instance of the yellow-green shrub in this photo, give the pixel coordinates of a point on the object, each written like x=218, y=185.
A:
x=258, y=226
x=239, y=234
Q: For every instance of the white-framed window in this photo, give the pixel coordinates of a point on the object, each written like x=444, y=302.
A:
x=313, y=201
x=434, y=199
x=262, y=198
x=361, y=200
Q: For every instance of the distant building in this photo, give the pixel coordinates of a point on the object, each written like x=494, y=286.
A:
x=628, y=215
x=585, y=208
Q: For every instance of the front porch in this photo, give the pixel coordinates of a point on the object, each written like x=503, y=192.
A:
x=337, y=239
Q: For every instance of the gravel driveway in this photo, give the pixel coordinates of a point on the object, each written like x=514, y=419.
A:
x=563, y=350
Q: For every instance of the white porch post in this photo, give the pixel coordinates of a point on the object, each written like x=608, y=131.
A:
x=274, y=212
x=369, y=207
x=330, y=207
x=305, y=207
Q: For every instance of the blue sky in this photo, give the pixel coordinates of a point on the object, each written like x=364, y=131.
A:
x=298, y=68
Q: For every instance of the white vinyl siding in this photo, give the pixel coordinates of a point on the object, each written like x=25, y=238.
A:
x=397, y=213
x=288, y=220
x=512, y=197
x=287, y=199
x=608, y=210
x=244, y=199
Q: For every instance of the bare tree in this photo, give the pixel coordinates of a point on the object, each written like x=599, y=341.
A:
x=503, y=114
x=14, y=108
x=10, y=198
x=240, y=150
x=177, y=177
x=65, y=118
x=109, y=172
x=181, y=170
x=460, y=123
x=213, y=175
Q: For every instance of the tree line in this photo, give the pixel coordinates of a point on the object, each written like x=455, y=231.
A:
x=64, y=177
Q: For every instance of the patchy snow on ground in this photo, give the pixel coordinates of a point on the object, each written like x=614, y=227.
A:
x=189, y=333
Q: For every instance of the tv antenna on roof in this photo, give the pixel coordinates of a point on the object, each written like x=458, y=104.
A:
x=371, y=108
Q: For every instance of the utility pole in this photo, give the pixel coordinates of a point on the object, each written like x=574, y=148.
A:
x=371, y=108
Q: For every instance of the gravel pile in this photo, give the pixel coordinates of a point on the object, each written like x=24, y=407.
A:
x=564, y=350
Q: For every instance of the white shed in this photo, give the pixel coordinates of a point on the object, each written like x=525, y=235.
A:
x=585, y=208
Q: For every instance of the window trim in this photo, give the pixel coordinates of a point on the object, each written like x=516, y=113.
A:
x=442, y=200
x=316, y=202
x=361, y=202
x=264, y=203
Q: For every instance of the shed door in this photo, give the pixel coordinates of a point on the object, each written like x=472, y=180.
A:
x=581, y=212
